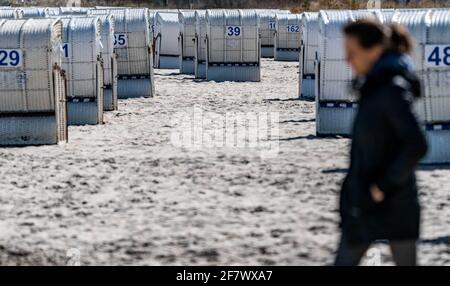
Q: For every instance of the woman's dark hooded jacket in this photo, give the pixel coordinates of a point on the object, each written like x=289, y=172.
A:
x=387, y=145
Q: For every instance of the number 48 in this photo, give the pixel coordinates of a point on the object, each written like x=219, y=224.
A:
x=435, y=56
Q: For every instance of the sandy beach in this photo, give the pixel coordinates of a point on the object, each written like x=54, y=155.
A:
x=123, y=194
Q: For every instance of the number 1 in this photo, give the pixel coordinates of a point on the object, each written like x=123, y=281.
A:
x=66, y=50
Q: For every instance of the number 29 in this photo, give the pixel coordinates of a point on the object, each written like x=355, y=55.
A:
x=9, y=58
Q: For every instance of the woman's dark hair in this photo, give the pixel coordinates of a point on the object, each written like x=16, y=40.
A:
x=370, y=33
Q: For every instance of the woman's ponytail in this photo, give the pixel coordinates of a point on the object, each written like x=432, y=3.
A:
x=399, y=39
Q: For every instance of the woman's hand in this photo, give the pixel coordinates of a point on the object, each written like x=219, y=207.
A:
x=377, y=194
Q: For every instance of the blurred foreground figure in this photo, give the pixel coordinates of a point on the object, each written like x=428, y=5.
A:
x=379, y=198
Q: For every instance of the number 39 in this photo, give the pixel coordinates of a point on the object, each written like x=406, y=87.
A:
x=10, y=58
x=234, y=31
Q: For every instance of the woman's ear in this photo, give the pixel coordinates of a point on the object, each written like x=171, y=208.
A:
x=376, y=52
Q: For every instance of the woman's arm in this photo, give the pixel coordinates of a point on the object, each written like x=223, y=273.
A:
x=401, y=119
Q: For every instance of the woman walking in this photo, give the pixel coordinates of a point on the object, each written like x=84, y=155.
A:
x=379, y=198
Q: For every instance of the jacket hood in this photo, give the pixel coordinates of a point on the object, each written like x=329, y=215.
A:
x=394, y=62
x=388, y=67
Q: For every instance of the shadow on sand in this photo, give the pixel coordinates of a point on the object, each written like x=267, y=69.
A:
x=309, y=137
x=285, y=99
x=298, y=121
x=335, y=171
